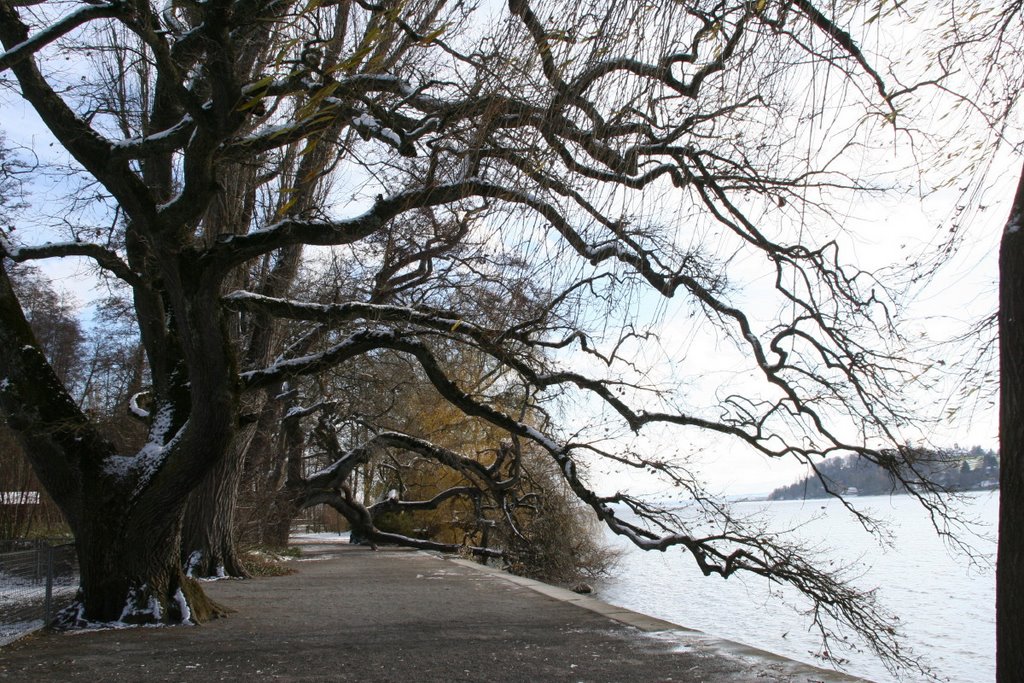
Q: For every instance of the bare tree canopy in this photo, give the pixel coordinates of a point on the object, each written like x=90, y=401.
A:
x=507, y=186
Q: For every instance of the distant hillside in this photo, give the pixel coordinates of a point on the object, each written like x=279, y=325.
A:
x=974, y=469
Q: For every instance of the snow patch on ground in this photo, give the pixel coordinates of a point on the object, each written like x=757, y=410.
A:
x=11, y=632
x=676, y=641
x=314, y=558
x=212, y=579
x=22, y=598
x=15, y=590
x=75, y=622
x=322, y=537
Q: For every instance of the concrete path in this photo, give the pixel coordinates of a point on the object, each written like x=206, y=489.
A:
x=351, y=614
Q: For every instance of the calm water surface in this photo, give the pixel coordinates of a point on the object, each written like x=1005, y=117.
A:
x=946, y=608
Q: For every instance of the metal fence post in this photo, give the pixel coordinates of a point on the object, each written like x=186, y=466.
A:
x=48, y=602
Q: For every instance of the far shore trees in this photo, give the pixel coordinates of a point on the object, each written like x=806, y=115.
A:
x=522, y=188
x=949, y=467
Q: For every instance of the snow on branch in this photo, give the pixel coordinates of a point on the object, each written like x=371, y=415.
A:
x=449, y=322
x=355, y=345
x=333, y=110
x=140, y=468
x=135, y=407
x=330, y=486
x=232, y=250
x=30, y=46
x=167, y=140
x=395, y=504
x=105, y=258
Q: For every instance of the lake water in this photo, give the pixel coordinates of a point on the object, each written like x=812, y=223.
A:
x=946, y=608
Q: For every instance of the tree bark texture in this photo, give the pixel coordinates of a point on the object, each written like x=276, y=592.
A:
x=1010, y=563
x=272, y=458
x=208, y=531
x=286, y=501
x=131, y=570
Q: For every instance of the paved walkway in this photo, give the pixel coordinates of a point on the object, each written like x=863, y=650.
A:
x=351, y=614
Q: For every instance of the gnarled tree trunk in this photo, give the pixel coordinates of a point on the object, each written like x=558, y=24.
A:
x=126, y=522
x=131, y=569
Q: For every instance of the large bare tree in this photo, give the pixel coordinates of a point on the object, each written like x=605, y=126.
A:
x=520, y=185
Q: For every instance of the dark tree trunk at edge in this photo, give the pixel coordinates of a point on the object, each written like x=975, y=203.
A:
x=1010, y=564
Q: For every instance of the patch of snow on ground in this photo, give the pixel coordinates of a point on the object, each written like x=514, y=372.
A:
x=16, y=591
x=321, y=537
x=21, y=598
x=11, y=632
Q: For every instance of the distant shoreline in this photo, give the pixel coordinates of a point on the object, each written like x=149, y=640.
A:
x=772, y=497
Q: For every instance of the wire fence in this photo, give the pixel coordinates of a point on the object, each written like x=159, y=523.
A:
x=37, y=579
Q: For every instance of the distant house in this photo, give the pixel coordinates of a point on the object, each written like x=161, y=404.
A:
x=852, y=491
x=19, y=497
